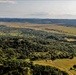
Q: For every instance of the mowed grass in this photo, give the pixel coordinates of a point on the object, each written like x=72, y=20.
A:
x=62, y=64
x=54, y=28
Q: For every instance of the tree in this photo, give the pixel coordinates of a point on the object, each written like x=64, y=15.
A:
x=74, y=66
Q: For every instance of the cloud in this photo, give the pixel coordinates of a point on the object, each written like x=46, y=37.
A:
x=39, y=14
x=8, y=1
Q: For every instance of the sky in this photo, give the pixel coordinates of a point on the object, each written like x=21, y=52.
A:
x=56, y=9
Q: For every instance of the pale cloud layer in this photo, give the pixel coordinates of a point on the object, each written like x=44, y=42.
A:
x=8, y=1
x=38, y=8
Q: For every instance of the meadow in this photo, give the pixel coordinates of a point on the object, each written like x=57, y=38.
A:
x=54, y=28
x=62, y=64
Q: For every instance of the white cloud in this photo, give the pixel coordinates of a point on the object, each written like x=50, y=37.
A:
x=8, y=1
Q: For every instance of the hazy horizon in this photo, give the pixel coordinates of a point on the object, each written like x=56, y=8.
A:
x=50, y=9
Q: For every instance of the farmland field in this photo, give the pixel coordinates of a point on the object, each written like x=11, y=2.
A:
x=63, y=64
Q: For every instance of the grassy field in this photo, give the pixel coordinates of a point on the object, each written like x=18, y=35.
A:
x=54, y=28
x=62, y=64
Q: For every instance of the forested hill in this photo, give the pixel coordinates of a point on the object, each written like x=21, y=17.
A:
x=66, y=22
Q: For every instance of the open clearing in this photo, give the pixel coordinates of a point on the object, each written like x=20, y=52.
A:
x=54, y=28
x=62, y=64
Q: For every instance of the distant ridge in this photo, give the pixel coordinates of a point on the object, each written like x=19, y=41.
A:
x=67, y=22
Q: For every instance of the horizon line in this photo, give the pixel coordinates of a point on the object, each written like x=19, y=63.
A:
x=34, y=18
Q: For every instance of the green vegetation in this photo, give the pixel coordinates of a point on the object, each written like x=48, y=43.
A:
x=18, y=67
x=20, y=46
